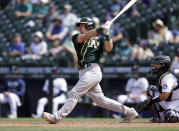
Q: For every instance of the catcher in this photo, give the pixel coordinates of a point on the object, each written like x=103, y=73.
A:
x=164, y=98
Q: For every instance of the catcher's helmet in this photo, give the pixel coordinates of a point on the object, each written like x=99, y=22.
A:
x=89, y=23
x=164, y=61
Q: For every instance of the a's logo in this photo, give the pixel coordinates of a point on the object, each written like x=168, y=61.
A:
x=94, y=44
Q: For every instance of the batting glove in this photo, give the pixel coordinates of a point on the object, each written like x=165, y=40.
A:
x=106, y=27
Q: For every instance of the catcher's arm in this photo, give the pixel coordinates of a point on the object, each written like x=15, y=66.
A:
x=152, y=100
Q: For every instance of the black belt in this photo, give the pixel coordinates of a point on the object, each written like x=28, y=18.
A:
x=85, y=66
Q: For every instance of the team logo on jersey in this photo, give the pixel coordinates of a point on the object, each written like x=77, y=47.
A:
x=165, y=86
x=94, y=44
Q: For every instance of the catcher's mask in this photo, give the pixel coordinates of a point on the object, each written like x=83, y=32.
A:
x=89, y=23
x=164, y=61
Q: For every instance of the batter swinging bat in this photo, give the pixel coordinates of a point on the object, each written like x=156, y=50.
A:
x=126, y=7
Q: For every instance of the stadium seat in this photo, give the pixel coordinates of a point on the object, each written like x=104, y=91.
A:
x=145, y=62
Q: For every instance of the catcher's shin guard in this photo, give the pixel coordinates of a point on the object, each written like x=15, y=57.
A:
x=151, y=92
x=171, y=116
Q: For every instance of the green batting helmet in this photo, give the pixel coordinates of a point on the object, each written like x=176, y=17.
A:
x=89, y=23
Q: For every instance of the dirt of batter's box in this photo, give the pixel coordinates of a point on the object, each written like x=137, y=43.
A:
x=87, y=124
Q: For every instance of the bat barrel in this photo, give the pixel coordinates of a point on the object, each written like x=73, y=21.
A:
x=126, y=7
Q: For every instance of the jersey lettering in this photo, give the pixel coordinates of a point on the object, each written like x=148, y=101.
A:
x=90, y=50
x=94, y=44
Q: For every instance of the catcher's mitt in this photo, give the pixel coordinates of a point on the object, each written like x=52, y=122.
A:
x=143, y=106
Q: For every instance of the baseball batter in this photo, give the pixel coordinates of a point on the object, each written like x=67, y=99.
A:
x=165, y=97
x=89, y=45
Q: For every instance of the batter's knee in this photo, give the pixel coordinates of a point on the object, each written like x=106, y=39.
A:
x=171, y=116
x=74, y=96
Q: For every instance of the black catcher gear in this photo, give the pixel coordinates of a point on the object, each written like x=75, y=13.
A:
x=164, y=61
x=156, y=120
x=171, y=116
x=89, y=23
x=151, y=90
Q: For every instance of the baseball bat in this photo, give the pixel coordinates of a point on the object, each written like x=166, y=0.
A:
x=126, y=7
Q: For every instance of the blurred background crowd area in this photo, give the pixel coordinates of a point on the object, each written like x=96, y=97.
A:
x=38, y=32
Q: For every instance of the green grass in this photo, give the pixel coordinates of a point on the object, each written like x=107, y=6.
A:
x=36, y=128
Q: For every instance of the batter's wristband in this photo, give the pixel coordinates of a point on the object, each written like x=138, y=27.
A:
x=108, y=37
x=99, y=30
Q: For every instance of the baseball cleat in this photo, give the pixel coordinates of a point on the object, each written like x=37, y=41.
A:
x=129, y=117
x=49, y=118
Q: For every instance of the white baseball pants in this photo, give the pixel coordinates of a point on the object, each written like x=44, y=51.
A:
x=88, y=82
x=13, y=101
x=170, y=105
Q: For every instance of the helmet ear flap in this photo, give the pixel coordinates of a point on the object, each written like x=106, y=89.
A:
x=87, y=26
x=90, y=25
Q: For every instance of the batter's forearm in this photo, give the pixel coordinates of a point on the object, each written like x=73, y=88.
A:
x=87, y=36
x=109, y=46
